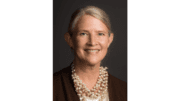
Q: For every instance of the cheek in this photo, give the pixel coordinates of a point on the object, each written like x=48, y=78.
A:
x=104, y=44
x=79, y=43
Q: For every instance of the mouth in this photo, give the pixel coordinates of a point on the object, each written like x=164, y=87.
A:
x=92, y=50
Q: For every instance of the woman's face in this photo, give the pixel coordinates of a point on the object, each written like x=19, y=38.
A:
x=91, y=40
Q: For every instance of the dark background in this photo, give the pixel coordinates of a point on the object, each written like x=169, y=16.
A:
x=116, y=58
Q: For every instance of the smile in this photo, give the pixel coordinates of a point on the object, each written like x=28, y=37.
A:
x=92, y=50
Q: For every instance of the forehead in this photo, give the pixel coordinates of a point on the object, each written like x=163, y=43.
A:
x=90, y=23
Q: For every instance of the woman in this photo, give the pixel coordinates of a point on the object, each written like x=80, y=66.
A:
x=89, y=36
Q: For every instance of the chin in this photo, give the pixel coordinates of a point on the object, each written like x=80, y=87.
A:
x=93, y=62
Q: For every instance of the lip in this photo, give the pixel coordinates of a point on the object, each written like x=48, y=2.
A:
x=92, y=50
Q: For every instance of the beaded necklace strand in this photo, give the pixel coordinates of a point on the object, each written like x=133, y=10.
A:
x=99, y=90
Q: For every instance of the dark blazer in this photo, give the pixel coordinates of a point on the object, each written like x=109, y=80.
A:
x=63, y=87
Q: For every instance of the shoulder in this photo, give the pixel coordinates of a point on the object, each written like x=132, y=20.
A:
x=62, y=84
x=65, y=72
x=61, y=79
x=117, y=88
x=117, y=81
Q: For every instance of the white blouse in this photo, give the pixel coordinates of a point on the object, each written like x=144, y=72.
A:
x=106, y=98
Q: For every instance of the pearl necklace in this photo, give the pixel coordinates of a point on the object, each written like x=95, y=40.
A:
x=99, y=90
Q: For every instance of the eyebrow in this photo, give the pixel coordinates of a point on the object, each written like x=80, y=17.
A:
x=99, y=31
x=83, y=31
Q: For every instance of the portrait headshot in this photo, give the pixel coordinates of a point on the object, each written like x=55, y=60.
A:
x=89, y=50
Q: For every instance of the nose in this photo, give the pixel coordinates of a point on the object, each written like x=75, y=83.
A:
x=92, y=40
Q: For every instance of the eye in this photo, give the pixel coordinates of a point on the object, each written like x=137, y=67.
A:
x=83, y=34
x=100, y=34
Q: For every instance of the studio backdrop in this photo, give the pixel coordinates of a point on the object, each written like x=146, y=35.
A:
x=116, y=58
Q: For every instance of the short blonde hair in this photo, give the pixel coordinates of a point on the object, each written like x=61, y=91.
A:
x=89, y=10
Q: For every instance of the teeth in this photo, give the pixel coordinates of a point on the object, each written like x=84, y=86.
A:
x=92, y=50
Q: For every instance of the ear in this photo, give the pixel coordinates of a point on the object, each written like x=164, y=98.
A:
x=68, y=39
x=110, y=39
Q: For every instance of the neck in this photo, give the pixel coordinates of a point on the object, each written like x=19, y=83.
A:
x=87, y=73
